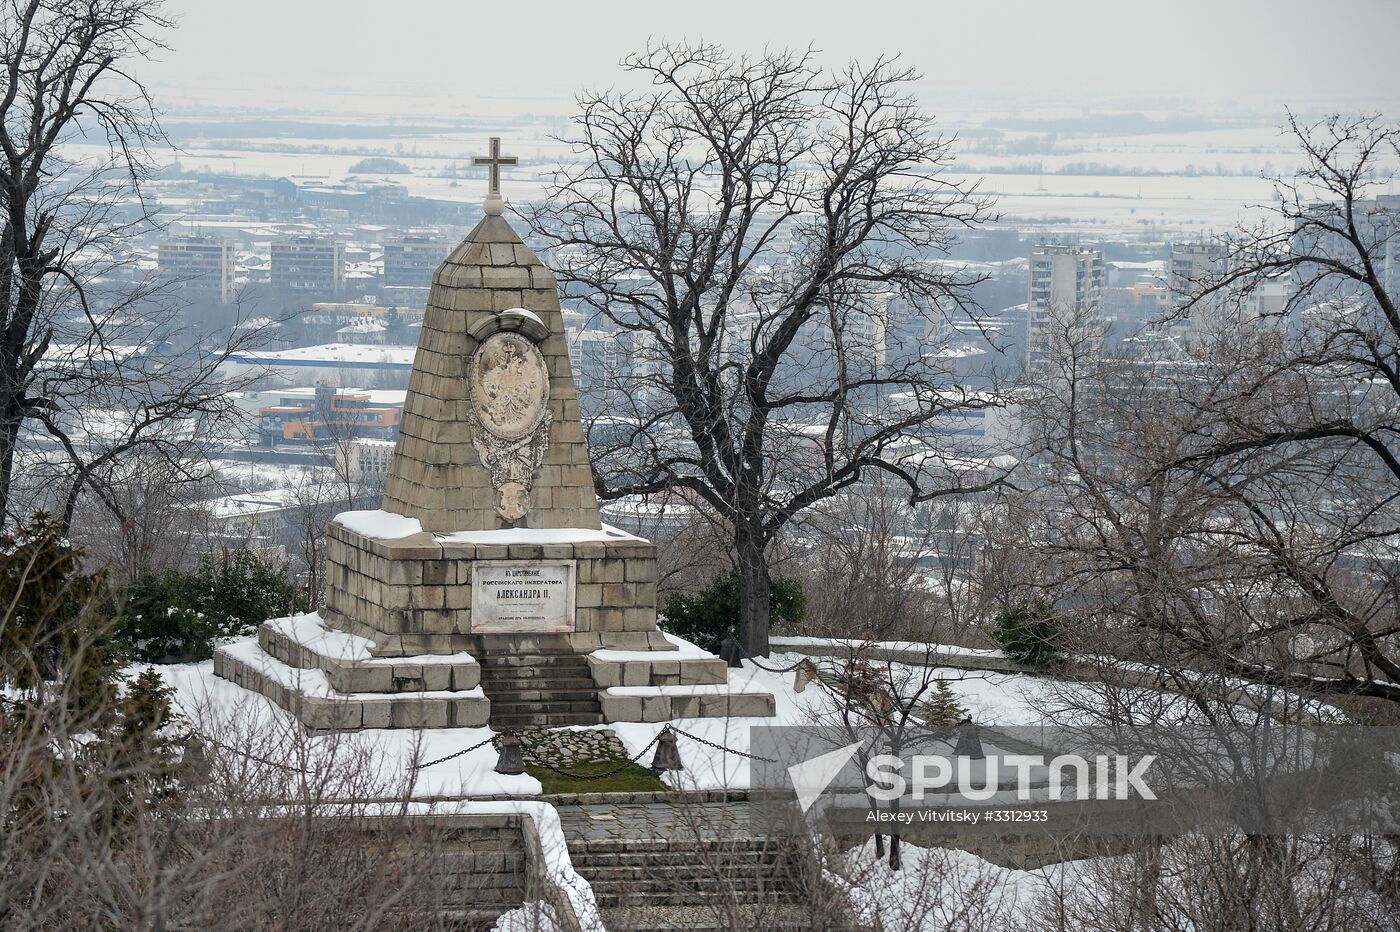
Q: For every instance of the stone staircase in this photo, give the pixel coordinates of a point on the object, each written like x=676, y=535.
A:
x=693, y=884
x=544, y=688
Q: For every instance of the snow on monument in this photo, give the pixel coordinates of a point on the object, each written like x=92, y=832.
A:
x=486, y=589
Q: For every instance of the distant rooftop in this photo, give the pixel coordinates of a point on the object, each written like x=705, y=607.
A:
x=333, y=355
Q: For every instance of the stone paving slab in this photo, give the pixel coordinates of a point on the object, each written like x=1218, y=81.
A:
x=654, y=824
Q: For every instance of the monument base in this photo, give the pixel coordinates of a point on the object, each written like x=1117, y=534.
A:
x=563, y=619
x=439, y=594
x=330, y=682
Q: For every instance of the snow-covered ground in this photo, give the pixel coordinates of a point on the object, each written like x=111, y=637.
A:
x=991, y=699
x=945, y=888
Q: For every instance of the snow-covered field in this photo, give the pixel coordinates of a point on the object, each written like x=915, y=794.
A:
x=1151, y=184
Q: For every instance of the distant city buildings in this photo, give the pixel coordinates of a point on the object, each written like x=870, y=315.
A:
x=313, y=264
x=409, y=263
x=365, y=462
x=326, y=414
x=596, y=357
x=866, y=331
x=410, y=260
x=1190, y=268
x=1066, y=291
x=199, y=265
x=1377, y=225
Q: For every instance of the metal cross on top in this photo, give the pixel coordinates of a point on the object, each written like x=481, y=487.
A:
x=495, y=160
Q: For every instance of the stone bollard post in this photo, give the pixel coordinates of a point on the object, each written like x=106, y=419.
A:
x=730, y=652
x=194, y=760
x=510, y=761
x=969, y=742
x=668, y=753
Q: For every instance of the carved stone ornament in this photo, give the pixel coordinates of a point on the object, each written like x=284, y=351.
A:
x=510, y=418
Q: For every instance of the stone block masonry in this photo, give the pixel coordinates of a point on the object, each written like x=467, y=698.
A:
x=437, y=474
x=413, y=595
x=488, y=552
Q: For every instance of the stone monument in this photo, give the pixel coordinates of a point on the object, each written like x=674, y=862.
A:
x=486, y=588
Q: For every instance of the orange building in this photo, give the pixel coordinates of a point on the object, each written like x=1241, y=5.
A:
x=327, y=414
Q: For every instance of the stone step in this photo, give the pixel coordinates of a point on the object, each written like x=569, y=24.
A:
x=507, y=657
x=618, y=879
x=611, y=900
x=562, y=681
x=539, y=676
x=602, y=860
x=708, y=919
x=536, y=673
x=522, y=722
x=514, y=694
x=537, y=644
x=503, y=705
x=693, y=847
x=363, y=675
x=540, y=679
x=305, y=694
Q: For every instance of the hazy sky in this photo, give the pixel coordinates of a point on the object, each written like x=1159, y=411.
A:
x=496, y=56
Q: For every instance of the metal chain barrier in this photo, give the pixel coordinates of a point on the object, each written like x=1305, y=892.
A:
x=720, y=747
x=294, y=769
x=242, y=753
x=455, y=754
x=764, y=667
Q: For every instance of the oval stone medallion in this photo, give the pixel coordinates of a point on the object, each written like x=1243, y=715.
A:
x=509, y=385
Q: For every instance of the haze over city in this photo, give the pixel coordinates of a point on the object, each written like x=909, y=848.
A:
x=452, y=59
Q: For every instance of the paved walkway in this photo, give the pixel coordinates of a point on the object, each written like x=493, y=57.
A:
x=655, y=821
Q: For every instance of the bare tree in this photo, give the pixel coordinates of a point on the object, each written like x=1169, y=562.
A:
x=89, y=363
x=1305, y=884
x=1301, y=430
x=158, y=521
x=746, y=225
x=64, y=77
x=1232, y=513
x=893, y=570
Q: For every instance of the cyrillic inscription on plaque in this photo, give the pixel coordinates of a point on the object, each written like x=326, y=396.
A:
x=522, y=596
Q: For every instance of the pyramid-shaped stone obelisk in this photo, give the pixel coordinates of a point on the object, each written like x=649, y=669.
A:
x=438, y=474
x=486, y=588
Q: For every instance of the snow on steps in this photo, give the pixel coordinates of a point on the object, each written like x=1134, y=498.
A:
x=667, y=703
x=305, y=641
x=308, y=693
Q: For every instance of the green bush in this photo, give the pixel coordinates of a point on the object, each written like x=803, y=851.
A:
x=1031, y=633
x=175, y=617
x=707, y=617
x=940, y=707
x=54, y=618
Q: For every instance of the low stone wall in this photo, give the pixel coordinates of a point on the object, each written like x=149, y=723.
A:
x=675, y=702
x=912, y=654
x=483, y=860
x=1083, y=672
x=658, y=671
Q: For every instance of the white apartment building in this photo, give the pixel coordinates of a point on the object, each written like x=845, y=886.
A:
x=197, y=263
x=1066, y=287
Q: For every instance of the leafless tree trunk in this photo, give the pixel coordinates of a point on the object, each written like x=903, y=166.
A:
x=1235, y=513
x=746, y=226
x=96, y=369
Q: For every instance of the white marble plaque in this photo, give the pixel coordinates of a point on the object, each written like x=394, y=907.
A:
x=522, y=596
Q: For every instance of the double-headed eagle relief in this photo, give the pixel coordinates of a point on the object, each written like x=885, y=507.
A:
x=510, y=417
